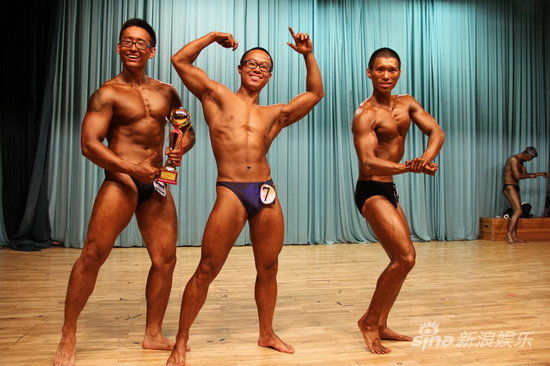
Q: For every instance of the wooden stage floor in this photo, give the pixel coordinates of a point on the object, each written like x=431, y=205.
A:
x=487, y=303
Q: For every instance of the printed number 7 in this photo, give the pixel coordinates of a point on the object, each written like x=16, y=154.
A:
x=266, y=193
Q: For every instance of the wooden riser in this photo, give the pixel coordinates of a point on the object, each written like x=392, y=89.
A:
x=528, y=229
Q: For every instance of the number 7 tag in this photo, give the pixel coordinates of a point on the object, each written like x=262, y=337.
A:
x=267, y=194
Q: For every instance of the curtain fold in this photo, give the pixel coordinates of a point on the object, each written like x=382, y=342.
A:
x=480, y=67
x=26, y=119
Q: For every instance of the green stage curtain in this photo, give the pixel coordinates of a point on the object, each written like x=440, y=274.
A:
x=480, y=67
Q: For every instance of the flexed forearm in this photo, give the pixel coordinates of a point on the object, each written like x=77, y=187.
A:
x=301, y=104
x=435, y=143
x=189, y=53
x=376, y=166
x=314, y=80
x=105, y=158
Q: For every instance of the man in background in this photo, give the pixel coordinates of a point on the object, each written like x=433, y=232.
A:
x=514, y=170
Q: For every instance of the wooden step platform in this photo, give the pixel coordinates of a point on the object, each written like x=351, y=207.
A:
x=529, y=229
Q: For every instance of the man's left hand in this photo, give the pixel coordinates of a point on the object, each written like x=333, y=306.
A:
x=303, y=42
x=417, y=164
x=175, y=155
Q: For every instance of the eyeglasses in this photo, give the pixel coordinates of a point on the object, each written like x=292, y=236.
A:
x=251, y=64
x=140, y=45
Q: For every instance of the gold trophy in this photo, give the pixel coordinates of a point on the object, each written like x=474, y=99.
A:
x=180, y=119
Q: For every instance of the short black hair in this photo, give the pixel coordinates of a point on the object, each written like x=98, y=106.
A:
x=257, y=48
x=383, y=52
x=531, y=151
x=137, y=22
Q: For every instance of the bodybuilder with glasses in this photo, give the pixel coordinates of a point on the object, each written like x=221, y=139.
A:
x=129, y=111
x=241, y=132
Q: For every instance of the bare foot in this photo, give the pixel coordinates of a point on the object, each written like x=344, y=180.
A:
x=177, y=357
x=518, y=240
x=371, y=336
x=510, y=239
x=272, y=341
x=66, y=351
x=159, y=343
x=387, y=333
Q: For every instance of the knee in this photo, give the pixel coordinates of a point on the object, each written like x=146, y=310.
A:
x=268, y=270
x=206, y=273
x=404, y=263
x=164, y=262
x=92, y=259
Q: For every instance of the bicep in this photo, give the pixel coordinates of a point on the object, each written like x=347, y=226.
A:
x=425, y=121
x=97, y=118
x=94, y=127
x=364, y=138
x=298, y=108
x=196, y=80
x=190, y=133
x=516, y=172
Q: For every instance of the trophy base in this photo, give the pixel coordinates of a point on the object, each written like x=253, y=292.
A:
x=168, y=176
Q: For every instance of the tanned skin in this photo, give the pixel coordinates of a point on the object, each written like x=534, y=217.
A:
x=241, y=132
x=129, y=111
x=380, y=126
x=514, y=170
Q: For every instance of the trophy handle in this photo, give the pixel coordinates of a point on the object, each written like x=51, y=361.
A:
x=175, y=139
x=182, y=133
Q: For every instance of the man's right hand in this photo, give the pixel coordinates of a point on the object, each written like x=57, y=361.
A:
x=145, y=172
x=428, y=168
x=226, y=40
x=431, y=169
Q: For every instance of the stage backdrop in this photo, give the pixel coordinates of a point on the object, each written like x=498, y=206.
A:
x=480, y=67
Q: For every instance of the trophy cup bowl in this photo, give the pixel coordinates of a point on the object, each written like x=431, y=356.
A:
x=179, y=118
